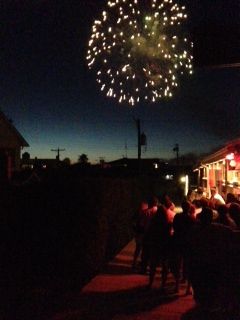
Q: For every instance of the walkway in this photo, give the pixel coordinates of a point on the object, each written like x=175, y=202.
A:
x=119, y=294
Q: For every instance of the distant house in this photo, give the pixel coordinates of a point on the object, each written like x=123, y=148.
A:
x=36, y=163
x=11, y=144
x=132, y=163
x=152, y=166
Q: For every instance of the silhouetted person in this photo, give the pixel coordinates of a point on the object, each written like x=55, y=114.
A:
x=199, y=194
x=224, y=218
x=182, y=224
x=231, y=198
x=169, y=205
x=191, y=195
x=210, y=261
x=139, y=229
x=234, y=212
x=216, y=199
x=158, y=237
x=149, y=214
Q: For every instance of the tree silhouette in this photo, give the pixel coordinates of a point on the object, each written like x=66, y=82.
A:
x=67, y=161
x=83, y=159
x=26, y=156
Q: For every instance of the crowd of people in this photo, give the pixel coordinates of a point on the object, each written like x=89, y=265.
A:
x=199, y=245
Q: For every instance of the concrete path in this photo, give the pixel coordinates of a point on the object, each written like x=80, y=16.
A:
x=119, y=294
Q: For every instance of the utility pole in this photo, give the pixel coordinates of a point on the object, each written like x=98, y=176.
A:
x=58, y=150
x=141, y=142
x=138, y=124
x=126, y=149
x=176, y=149
x=139, y=139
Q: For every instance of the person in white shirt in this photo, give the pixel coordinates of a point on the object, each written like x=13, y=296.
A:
x=215, y=199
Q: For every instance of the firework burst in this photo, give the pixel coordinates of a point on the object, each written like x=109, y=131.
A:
x=139, y=51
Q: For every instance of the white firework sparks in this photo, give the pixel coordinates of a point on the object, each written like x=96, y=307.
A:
x=139, y=53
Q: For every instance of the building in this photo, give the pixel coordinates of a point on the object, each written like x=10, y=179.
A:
x=151, y=166
x=11, y=144
x=133, y=164
x=39, y=163
x=221, y=169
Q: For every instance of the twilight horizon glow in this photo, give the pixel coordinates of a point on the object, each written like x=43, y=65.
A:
x=140, y=51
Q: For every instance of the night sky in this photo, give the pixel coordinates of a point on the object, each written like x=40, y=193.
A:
x=54, y=101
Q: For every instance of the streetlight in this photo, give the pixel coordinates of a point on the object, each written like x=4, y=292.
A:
x=185, y=180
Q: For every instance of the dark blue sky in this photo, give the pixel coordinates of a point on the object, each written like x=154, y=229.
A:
x=54, y=101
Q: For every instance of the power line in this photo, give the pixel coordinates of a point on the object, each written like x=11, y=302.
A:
x=58, y=150
x=224, y=66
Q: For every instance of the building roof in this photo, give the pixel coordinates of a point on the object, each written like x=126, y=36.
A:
x=11, y=127
x=230, y=147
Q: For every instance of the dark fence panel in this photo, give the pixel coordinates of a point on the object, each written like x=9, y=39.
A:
x=61, y=232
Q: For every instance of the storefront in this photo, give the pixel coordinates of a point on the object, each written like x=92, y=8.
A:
x=221, y=169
